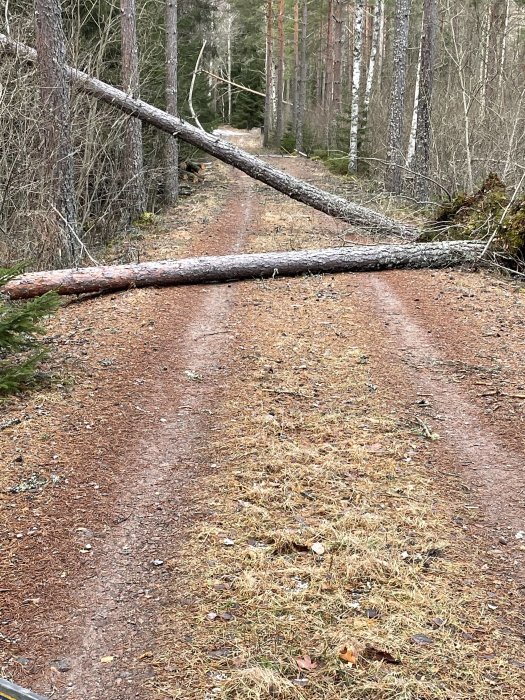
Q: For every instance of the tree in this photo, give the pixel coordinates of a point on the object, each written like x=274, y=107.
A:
x=424, y=103
x=395, y=153
x=279, y=128
x=358, y=258
x=20, y=352
x=356, y=84
x=133, y=165
x=303, y=77
x=58, y=143
x=268, y=111
x=172, y=146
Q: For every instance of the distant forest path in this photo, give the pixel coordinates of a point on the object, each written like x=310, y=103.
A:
x=95, y=555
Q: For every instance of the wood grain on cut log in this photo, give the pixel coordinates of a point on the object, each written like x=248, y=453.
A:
x=299, y=190
x=240, y=267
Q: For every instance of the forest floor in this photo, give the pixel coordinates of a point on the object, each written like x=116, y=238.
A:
x=292, y=488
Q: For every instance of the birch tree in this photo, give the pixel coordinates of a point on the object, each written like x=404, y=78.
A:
x=395, y=154
x=172, y=147
x=269, y=75
x=58, y=143
x=279, y=129
x=356, y=84
x=133, y=166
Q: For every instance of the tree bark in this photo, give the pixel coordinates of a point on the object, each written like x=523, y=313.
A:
x=279, y=127
x=303, y=77
x=395, y=153
x=423, y=135
x=296, y=64
x=356, y=86
x=55, y=95
x=132, y=166
x=269, y=75
x=254, y=167
x=172, y=145
x=239, y=267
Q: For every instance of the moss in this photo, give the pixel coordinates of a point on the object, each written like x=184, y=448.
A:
x=145, y=220
x=486, y=212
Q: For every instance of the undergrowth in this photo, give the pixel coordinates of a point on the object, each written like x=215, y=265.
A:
x=20, y=324
x=490, y=213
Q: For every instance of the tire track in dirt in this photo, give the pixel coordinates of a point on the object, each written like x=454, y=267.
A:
x=403, y=359
x=129, y=594
x=94, y=637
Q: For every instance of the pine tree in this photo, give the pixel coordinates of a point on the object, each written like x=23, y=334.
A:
x=20, y=323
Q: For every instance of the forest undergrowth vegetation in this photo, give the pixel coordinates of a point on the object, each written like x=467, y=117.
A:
x=493, y=213
x=20, y=325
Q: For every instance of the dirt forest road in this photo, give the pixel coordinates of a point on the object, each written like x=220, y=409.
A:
x=121, y=484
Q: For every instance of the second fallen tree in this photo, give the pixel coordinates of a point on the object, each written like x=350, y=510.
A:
x=299, y=190
x=239, y=267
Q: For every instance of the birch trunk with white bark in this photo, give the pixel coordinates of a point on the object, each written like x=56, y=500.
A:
x=356, y=86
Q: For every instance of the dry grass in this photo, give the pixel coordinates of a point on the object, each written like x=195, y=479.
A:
x=308, y=453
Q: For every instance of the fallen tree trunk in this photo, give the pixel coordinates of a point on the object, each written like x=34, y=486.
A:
x=254, y=167
x=239, y=267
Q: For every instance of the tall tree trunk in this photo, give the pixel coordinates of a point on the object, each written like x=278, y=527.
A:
x=356, y=85
x=269, y=75
x=424, y=105
x=133, y=165
x=338, y=52
x=172, y=145
x=280, y=76
x=58, y=143
x=229, y=67
x=296, y=64
x=411, y=149
x=303, y=77
x=497, y=27
x=395, y=153
x=329, y=61
x=377, y=17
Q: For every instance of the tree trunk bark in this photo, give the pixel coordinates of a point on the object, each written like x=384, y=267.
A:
x=296, y=64
x=423, y=134
x=395, y=153
x=338, y=55
x=269, y=75
x=172, y=144
x=303, y=77
x=356, y=86
x=279, y=127
x=132, y=166
x=254, y=167
x=239, y=267
x=55, y=95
